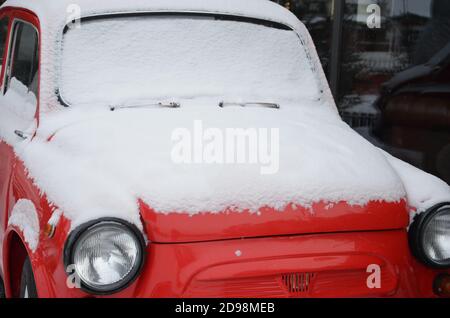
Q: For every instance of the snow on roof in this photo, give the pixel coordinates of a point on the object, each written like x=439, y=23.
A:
x=262, y=9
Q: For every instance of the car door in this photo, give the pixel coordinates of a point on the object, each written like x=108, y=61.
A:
x=18, y=103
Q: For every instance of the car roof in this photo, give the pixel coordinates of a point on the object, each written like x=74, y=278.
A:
x=61, y=9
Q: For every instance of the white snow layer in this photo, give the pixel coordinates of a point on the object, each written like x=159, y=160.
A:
x=18, y=107
x=183, y=57
x=25, y=218
x=100, y=163
x=423, y=189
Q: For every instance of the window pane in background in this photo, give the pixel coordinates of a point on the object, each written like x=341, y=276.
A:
x=408, y=56
x=373, y=56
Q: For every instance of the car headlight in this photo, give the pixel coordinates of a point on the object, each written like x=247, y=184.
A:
x=430, y=236
x=106, y=255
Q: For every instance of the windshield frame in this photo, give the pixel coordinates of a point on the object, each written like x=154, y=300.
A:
x=215, y=15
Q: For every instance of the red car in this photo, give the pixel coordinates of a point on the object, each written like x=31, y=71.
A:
x=118, y=178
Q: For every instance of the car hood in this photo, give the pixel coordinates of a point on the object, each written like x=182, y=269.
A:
x=100, y=163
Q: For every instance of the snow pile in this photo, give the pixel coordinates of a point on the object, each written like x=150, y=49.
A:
x=18, y=107
x=423, y=189
x=49, y=10
x=25, y=218
x=183, y=57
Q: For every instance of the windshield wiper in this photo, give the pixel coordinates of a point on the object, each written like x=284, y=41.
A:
x=160, y=104
x=244, y=104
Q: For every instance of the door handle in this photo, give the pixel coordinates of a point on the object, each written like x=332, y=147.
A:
x=21, y=134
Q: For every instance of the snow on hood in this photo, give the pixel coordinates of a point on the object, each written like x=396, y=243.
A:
x=99, y=163
x=423, y=189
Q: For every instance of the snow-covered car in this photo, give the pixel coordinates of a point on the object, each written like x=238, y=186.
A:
x=97, y=99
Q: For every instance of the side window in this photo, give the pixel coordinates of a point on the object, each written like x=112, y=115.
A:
x=24, y=58
x=3, y=35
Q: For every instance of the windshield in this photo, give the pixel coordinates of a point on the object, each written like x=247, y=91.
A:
x=121, y=60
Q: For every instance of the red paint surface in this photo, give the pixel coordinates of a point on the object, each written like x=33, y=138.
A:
x=320, y=218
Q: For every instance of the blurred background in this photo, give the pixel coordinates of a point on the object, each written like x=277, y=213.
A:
x=391, y=84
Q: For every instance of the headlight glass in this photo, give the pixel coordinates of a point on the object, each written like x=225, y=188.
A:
x=429, y=236
x=436, y=237
x=107, y=256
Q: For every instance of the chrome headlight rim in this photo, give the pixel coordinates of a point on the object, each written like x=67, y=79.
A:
x=417, y=233
x=80, y=231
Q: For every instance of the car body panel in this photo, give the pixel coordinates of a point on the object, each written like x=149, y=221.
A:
x=294, y=219
x=6, y=164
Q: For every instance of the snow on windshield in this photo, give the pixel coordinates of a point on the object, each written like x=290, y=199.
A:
x=128, y=59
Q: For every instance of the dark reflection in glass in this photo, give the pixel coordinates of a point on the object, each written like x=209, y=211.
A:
x=394, y=81
x=414, y=120
x=373, y=56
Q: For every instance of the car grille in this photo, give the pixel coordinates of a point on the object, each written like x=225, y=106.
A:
x=348, y=283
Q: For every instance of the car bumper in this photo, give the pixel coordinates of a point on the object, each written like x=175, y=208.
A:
x=359, y=264
x=325, y=265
